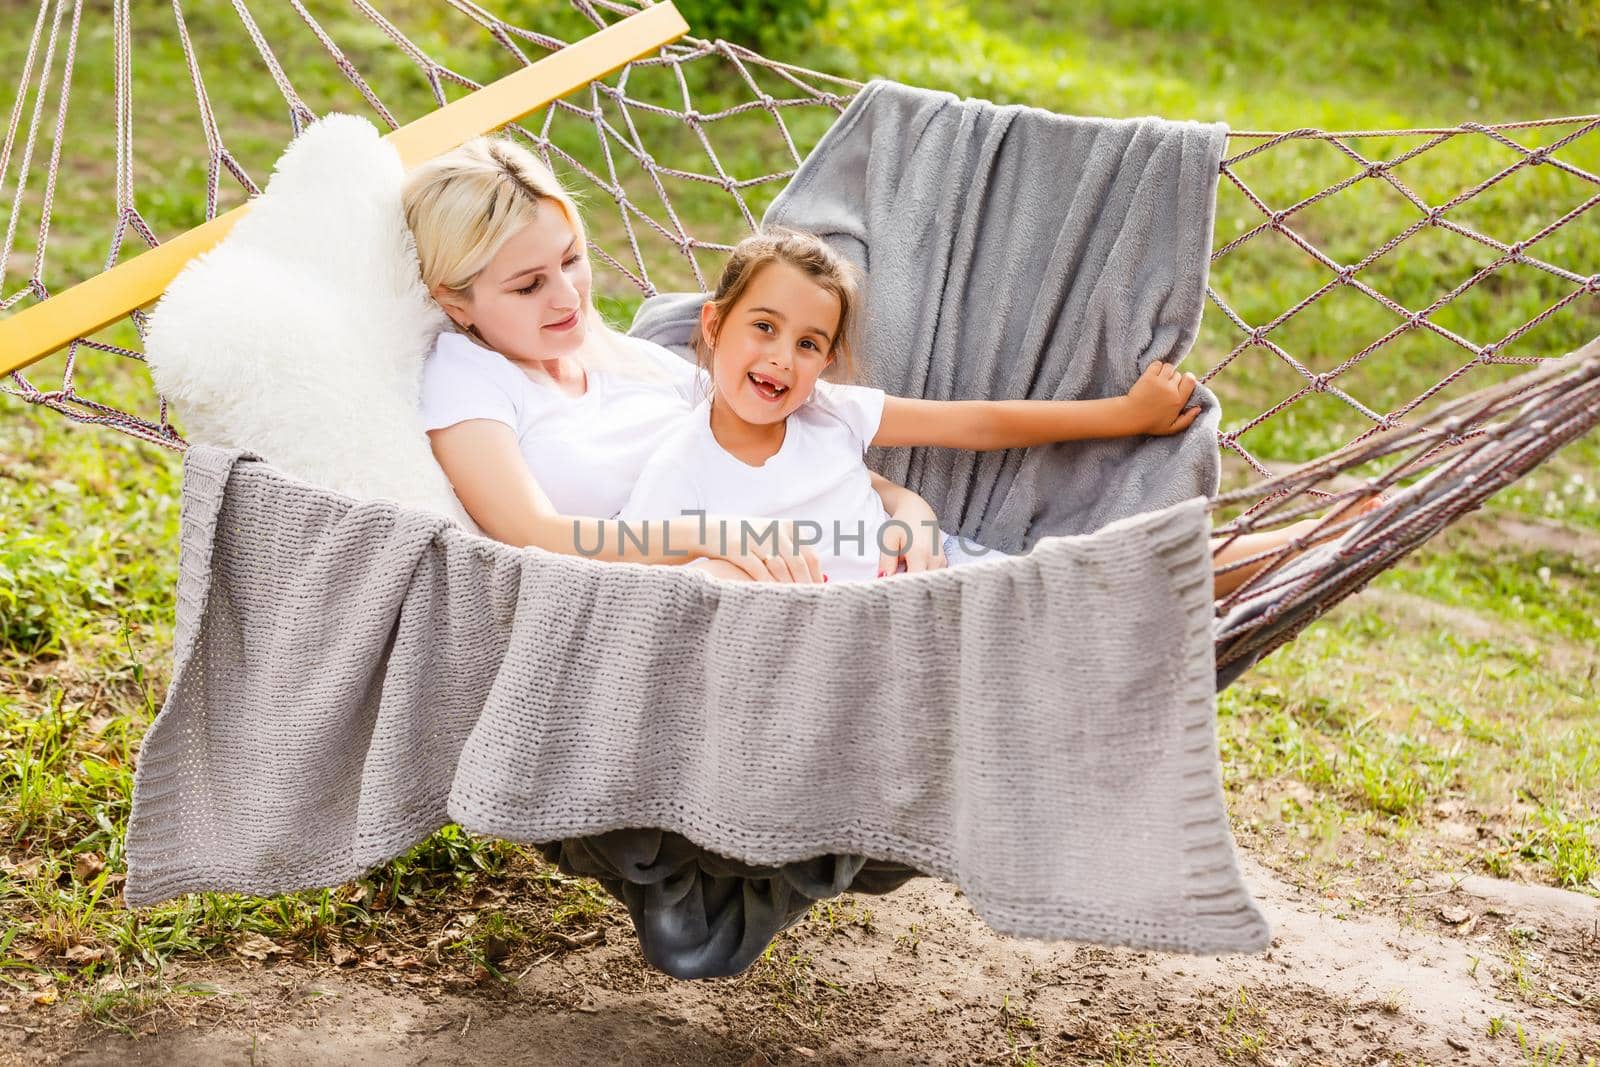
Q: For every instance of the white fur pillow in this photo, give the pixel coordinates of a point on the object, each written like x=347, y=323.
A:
x=301, y=336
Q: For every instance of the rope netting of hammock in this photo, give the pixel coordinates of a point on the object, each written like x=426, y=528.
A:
x=1370, y=309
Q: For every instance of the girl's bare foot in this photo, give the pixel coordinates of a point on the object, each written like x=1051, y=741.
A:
x=1332, y=522
x=1254, y=544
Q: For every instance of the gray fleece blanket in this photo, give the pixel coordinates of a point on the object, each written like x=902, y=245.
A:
x=1013, y=253
x=349, y=676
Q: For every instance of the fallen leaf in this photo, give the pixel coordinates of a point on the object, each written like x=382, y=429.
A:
x=256, y=947
x=1454, y=914
x=85, y=954
x=45, y=997
x=27, y=869
x=87, y=866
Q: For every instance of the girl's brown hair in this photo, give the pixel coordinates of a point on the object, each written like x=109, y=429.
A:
x=807, y=253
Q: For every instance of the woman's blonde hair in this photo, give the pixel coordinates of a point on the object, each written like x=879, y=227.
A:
x=807, y=253
x=464, y=205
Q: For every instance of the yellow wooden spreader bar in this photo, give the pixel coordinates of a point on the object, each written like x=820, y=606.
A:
x=31, y=334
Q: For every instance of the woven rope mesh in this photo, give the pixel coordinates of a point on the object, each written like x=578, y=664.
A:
x=1354, y=292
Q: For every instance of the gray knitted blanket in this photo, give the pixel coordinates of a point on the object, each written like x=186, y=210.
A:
x=349, y=676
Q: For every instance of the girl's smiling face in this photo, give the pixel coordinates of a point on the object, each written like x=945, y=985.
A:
x=531, y=301
x=772, y=345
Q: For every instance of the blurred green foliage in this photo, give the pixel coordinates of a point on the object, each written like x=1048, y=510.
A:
x=758, y=24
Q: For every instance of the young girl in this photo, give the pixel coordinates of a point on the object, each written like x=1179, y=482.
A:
x=767, y=441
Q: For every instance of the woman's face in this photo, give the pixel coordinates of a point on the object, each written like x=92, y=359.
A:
x=773, y=343
x=531, y=301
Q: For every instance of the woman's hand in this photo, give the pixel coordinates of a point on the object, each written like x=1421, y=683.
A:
x=763, y=550
x=1155, y=404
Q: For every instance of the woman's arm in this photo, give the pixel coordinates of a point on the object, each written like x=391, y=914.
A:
x=1155, y=405
x=481, y=459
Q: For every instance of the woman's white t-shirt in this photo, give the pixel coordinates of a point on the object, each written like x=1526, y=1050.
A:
x=584, y=451
x=816, y=476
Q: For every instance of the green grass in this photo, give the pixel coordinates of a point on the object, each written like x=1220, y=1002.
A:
x=1383, y=728
x=1549, y=591
x=1376, y=732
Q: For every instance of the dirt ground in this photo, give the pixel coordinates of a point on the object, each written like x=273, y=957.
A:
x=1465, y=971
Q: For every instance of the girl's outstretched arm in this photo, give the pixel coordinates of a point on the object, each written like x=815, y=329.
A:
x=1155, y=405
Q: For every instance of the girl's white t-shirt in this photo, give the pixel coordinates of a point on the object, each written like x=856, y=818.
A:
x=584, y=451
x=817, y=476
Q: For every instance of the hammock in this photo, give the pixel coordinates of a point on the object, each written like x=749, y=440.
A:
x=635, y=139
